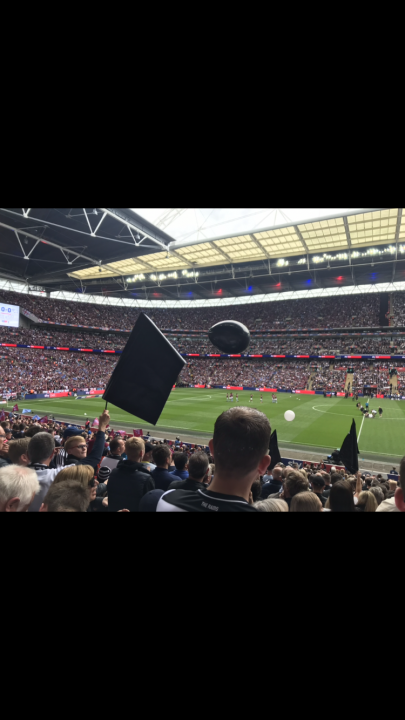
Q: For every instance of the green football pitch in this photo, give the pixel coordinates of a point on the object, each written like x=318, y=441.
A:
x=320, y=423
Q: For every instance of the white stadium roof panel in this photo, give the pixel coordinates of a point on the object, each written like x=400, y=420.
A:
x=349, y=230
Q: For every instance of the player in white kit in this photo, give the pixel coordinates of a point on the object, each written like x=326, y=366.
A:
x=251, y=398
x=261, y=398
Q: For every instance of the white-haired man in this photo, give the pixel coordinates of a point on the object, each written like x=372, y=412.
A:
x=18, y=487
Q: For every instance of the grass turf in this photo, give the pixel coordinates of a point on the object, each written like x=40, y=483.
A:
x=320, y=423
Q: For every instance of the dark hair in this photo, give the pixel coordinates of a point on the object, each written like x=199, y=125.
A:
x=317, y=481
x=341, y=497
x=115, y=444
x=160, y=455
x=180, y=460
x=241, y=439
x=198, y=465
x=33, y=430
x=335, y=477
x=67, y=496
x=41, y=447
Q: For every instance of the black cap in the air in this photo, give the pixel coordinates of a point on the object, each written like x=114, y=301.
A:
x=145, y=373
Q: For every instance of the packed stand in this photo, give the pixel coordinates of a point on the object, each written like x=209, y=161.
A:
x=201, y=344
x=329, y=378
x=24, y=370
x=331, y=312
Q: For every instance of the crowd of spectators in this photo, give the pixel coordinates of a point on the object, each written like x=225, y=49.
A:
x=279, y=345
x=28, y=370
x=332, y=312
x=24, y=370
x=46, y=335
x=55, y=467
x=329, y=377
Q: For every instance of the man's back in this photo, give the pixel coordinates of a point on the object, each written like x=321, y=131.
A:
x=270, y=488
x=127, y=484
x=202, y=501
x=162, y=478
x=181, y=474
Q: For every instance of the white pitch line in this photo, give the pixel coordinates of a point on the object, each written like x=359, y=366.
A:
x=361, y=428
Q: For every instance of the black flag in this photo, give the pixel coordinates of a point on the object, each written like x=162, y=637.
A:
x=145, y=373
x=273, y=450
x=349, y=450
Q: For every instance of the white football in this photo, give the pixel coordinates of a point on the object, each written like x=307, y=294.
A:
x=289, y=415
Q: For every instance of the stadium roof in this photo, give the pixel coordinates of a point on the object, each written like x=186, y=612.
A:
x=125, y=254
x=320, y=235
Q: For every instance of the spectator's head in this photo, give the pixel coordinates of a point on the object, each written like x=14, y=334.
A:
x=103, y=474
x=18, y=487
x=41, y=448
x=180, y=460
x=117, y=446
x=271, y=505
x=367, y=501
x=76, y=446
x=335, y=477
x=341, y=497
x=135, y=449
x=83, y=474
x=18, y=451
x=391, y=483
x=198, y=466
x=67, y=496
x=306, y=502
x=378, y=494
x=317, y=482
x=161, y=456
x=33, y=430
x=295, y=483
x=70, y=432
x=240, y=444
x=3, y=441
x=277, y=474
x=326, y=477
x=148, y=452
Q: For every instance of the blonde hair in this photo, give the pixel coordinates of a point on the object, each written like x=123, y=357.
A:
x=80, y=473
x=369, y=500
x=271, y=505
x=135, y=447
x=73, y=441
x=306, y=502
